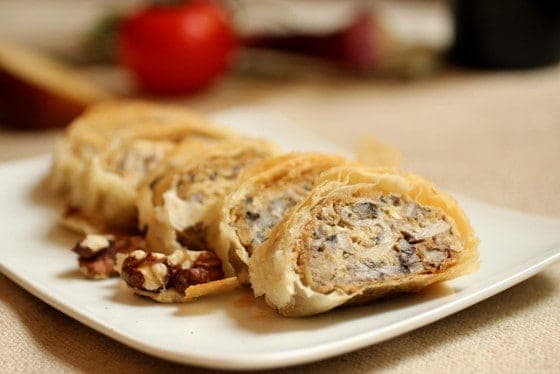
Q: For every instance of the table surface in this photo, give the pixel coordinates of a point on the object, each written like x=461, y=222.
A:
x=492, y=136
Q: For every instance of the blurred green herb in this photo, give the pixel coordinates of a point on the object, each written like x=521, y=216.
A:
x=100, y=44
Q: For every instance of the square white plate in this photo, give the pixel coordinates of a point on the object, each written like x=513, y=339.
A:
x=232, y=331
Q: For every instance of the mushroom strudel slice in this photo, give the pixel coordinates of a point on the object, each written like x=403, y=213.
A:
x=176, y=205
x=261, y=198
x=109, y=149
x=362, y=234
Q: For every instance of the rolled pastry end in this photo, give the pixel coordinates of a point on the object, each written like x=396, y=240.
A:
x=178, y=205
x=110, y=149
x=264, y=194
x=361, y=235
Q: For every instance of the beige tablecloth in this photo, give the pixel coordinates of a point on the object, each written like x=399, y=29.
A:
x=492, y=136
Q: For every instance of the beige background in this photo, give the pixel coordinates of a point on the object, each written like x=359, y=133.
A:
x=492, y=136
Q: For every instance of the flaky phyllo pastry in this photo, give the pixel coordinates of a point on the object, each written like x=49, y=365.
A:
x=264, y=194
x=362, y=234
x=177, y=204
x=108, y=150
x=180, y=208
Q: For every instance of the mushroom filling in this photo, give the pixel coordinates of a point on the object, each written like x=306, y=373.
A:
x=353, y=244
x=257, y=216
x=200, y=187
x=137, y=160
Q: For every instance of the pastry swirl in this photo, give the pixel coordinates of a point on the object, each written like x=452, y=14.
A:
x=177, y=204
x=109, y=149
x=264, y=194
x=362, y=234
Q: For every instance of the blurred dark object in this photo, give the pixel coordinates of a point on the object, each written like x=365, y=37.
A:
x=506, y=34
x=403, y=64
x=37, y=92
x=362, y=46
x=356, y=47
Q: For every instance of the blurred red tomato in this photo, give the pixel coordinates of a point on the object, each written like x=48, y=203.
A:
x=177, y=49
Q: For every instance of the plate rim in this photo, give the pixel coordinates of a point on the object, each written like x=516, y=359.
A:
x=251, y=361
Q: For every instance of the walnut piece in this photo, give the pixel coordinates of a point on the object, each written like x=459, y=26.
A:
x=97, y=253
x=156, y=272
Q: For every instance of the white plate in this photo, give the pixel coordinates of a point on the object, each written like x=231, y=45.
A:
x=232, y=331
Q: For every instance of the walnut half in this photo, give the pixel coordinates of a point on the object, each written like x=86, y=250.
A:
x=97, y=253
x=155, y=271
